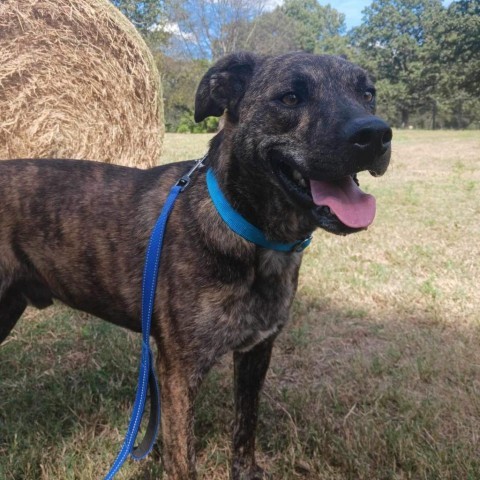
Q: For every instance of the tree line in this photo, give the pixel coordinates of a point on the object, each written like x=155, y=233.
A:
x=425, y=56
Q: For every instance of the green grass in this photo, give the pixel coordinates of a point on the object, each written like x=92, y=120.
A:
x=377, y=376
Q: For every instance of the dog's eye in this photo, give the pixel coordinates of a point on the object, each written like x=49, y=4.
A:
x=290, y=99
x=368, y=96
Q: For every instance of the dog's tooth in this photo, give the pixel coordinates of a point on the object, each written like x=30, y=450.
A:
x=297, y=175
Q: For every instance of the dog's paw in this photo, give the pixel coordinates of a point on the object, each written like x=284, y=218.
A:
x=240, y=471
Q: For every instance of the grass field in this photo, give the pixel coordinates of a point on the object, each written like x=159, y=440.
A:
x=377, y=376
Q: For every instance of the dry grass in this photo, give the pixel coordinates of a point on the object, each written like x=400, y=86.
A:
x=77, y=81
x=377, y=377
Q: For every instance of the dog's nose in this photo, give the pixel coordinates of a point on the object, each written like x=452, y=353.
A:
x=368, y=135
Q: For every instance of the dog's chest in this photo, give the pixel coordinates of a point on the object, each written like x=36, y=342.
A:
x=239, y=315
x=265, y=307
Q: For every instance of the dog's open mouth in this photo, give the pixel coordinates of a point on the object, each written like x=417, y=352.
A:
x=339, y=205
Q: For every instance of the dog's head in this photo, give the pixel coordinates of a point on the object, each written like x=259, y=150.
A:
x=307, y=123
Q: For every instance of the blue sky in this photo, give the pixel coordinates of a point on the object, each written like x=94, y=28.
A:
x=352, y=9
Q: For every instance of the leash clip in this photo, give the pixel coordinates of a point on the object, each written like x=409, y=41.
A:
x=184, y=181
x=302, y=245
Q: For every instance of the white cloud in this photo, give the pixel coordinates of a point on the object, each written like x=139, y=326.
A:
x=174, y=29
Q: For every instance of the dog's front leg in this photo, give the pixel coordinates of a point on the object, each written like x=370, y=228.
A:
x=11, y=308
x=250, y=369
x=177, y=397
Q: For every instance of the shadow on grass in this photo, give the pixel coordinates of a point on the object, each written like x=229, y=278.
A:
x=348, y=397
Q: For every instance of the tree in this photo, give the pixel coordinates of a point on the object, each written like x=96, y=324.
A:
x=395, y=41
x=455, y=45
x=316, y=24
x=426, y=57
x=210, y=29
x=148, y=17
x=271, y=33
x=458, y=35
x=180, y=78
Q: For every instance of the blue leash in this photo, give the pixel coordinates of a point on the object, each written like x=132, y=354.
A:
x=147, y=379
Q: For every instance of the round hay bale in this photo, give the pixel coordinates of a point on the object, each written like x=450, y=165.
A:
x=77, y=81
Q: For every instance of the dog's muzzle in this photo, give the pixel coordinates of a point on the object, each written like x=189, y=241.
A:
x=368, y=141
x=335, y=199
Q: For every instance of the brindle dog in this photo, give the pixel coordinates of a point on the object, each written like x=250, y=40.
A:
x=297, y=129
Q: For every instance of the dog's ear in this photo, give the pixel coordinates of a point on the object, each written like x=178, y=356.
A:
x=224, y=85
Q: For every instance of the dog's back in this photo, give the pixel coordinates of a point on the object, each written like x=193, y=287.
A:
x=65, y=232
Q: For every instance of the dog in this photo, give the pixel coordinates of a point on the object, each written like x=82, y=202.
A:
x=298, y=128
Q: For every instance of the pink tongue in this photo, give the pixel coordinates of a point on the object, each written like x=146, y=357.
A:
x=353, y=207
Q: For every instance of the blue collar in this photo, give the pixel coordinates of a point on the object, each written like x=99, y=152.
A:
x=244, y=228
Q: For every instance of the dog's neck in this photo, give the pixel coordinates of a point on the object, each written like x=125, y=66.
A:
x=251, y=192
